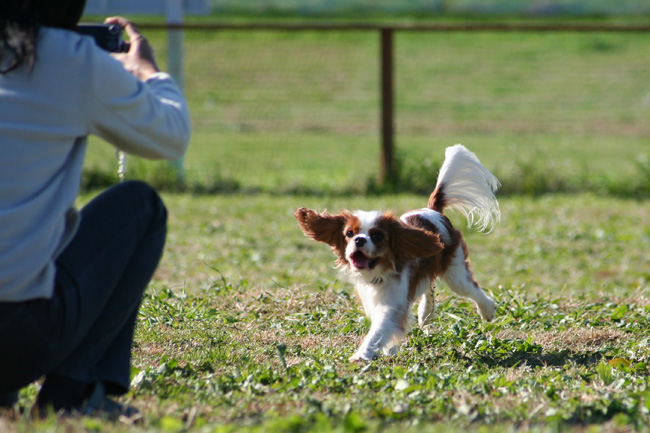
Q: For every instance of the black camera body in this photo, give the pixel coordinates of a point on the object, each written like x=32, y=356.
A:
x=107, y=36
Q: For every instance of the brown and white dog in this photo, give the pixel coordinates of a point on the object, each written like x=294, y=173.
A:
x=394, y=262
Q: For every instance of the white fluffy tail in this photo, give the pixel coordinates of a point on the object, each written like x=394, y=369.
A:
x=466, y=185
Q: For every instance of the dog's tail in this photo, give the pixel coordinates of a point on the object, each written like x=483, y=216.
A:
x=466, y=185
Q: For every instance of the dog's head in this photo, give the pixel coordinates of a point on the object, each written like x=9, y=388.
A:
x=368, y=243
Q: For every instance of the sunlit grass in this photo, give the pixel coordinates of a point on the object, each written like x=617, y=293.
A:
x=241, y=293
x=299, y=111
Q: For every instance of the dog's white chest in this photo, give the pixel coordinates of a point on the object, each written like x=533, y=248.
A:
x=390, y=292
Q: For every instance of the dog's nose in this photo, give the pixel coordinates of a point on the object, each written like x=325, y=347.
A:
x=360, y=241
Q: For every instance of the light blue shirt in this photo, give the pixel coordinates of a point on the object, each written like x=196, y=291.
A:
x=75, y=89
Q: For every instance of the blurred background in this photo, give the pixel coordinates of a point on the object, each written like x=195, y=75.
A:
x=281, y=103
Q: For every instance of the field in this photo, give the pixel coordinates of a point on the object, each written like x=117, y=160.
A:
x=247, y=327
x=287, y=112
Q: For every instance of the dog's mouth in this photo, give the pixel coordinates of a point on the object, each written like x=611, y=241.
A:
x=361, y=261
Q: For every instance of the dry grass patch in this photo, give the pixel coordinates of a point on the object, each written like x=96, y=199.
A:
x=574, y=339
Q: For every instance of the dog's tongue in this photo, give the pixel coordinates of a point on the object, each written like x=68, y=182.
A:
x=359, y=260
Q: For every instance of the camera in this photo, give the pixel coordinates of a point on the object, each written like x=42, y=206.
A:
x=107, y=36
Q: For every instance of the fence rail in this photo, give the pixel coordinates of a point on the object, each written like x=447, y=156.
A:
x=484, y=27
x=386, y=53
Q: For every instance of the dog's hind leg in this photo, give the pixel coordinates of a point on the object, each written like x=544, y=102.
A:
x=459, y=278
x=427, y=306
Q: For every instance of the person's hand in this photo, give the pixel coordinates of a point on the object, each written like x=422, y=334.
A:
x=139, y=59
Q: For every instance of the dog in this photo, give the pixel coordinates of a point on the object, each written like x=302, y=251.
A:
x=393, y=262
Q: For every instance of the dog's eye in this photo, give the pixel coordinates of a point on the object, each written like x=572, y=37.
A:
x=377, y=237
x=349, y=234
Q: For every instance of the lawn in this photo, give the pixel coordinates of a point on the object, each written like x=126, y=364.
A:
x=248, y=328
x=299, y=111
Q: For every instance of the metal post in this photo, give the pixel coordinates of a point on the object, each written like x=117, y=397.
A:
x=174, y=9
x=387, y=169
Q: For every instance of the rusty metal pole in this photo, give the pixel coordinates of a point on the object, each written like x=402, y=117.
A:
x=387, y=169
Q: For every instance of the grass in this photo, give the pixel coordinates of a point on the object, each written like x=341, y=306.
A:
x=292, y=112
x=247, y=327
x=255, y=237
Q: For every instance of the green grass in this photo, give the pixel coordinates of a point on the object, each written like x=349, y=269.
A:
x=567, y=244
x=299, y=111
x=247, y=327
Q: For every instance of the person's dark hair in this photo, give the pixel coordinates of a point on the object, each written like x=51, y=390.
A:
x=19, y=24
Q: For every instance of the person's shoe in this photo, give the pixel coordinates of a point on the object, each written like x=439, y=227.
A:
x=60, y=395
x=99, y=405
x=96, y=404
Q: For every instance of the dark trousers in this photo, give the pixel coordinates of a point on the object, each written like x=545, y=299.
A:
x=84, y=334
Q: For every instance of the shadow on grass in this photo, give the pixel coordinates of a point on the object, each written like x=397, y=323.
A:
x=552, y=358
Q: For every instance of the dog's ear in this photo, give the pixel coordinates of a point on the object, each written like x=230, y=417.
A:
x=323, y=227
x=412, y=243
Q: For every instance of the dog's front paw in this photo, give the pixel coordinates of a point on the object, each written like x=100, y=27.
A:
x=363, y=356
x=390, y=350
x=488, y=310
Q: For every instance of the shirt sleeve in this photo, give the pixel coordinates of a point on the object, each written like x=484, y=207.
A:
x=148, y=119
